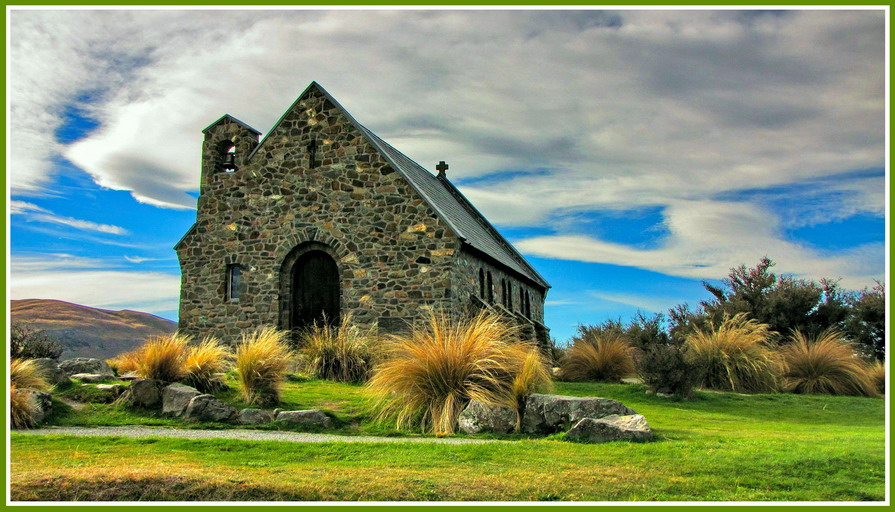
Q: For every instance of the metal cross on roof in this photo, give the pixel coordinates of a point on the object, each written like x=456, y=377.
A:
x=441, y=168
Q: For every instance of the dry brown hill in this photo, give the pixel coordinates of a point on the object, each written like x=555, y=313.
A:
x=89, y=332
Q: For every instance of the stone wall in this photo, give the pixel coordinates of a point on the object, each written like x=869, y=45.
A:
x=393, y=253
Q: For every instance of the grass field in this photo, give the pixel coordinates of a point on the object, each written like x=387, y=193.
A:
x=717, y=446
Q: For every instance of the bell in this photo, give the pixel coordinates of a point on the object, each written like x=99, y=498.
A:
x=230, y=163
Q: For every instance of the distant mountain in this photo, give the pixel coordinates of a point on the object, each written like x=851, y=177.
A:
x=89, y=332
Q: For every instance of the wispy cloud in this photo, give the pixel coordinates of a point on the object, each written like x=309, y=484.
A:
x=35, y=213
x=644, y=302
x=138, y=259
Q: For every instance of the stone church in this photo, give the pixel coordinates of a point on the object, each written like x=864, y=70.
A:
x=321, y=217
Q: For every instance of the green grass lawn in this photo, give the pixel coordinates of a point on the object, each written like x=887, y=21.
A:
x=716, y=446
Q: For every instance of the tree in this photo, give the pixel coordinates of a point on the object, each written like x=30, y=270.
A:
x=866, y=325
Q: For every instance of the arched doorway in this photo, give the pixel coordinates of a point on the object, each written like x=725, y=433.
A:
x=310, y=287
x=315, y=295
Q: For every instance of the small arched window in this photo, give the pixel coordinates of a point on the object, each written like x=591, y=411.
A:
x=510, y=295
x=482, y=284
x=227, y=156
x=234, y=283
x=490, y=288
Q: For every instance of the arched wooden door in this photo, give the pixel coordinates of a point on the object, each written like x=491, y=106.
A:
x=315, y=290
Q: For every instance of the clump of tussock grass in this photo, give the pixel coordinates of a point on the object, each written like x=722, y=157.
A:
x=826, y=364
x=429, y=375
x=343, y=353
x=162, y=357
x=24, y=374
x=736, y=356
x=262, y=360
x=127, y=362
x=877, y=373
x=23, y=407
x=598, y=356
x=202, y=362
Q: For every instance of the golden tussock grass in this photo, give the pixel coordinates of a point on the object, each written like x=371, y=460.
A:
x=22, y=408
x=262, y=360
x=428, y=376
x=598, y=357
x=127, y=362
x=343, y=353
x=162, y=357
x=23, y=373
x=826, y=364
x=736, y=356
x=203, y=361
x=877, y=372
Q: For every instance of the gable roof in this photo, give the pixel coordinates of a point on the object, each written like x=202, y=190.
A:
x=441, y=195
x=233, y=119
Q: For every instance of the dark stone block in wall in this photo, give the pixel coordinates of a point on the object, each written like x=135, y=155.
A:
x=391, y=325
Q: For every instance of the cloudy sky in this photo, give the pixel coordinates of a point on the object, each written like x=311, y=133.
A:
x=630, y=154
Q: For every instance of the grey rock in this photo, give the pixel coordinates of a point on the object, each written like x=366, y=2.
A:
x=546, y=414
x=86, y=365
x=254, y=417
x=611, y=428
x=129, y=377
x=143, y=393
x=176, y=398
x=313, y=418
x=90, y=377
x=481, y=417
x=115, y=389
x=208, y=408
x=51, y=371
x=43, y=401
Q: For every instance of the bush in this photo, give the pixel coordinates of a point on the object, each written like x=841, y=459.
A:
x=344, y=353
x=428, y=376
x=162, y=358
x=665, y=368
x=262, y=360
x=24, y=374
x=827, y=364
x=26, y=342
x=735, y=356
x=597, y=356
x=202, y=362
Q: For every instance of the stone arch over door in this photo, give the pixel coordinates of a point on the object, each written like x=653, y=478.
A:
x=310, y=286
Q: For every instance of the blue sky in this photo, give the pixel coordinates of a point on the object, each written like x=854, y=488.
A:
x=630, y=155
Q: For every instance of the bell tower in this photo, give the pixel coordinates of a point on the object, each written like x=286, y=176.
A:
x=226, y=147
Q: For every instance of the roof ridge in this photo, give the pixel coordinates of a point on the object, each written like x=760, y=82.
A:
x=228, y=116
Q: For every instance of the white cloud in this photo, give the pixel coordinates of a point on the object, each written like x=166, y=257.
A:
x=35, y=213
x=90, y=282
x=647, y=303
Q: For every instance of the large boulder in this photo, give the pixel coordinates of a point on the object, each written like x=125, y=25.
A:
x=86, y=365
x=611, y=428
x=310, y=419
x=42, y=401
x=254, y=417
x=146, y=393
x=546, y=414
x=481, y=417
x=208, y=408
x=51, y=371
x=176, y=398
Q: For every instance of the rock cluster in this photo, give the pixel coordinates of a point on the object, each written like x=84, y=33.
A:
x=587, y=419
x=86, y=365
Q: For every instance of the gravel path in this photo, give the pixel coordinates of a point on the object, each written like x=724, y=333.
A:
x=245, y=435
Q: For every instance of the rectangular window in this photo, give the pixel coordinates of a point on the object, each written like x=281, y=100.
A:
x=234, y=282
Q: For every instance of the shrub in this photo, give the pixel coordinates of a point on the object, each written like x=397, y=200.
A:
x=26, y=342
x=596, y=356
x=877, y=373
x=162, y=357
x=665, y=368
x=429, y=375
x=827, y=364
x=344, y=353
x=262, y=359
x=23, y=409
x=735, y=356
x=202, y=362
x=23, y=373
